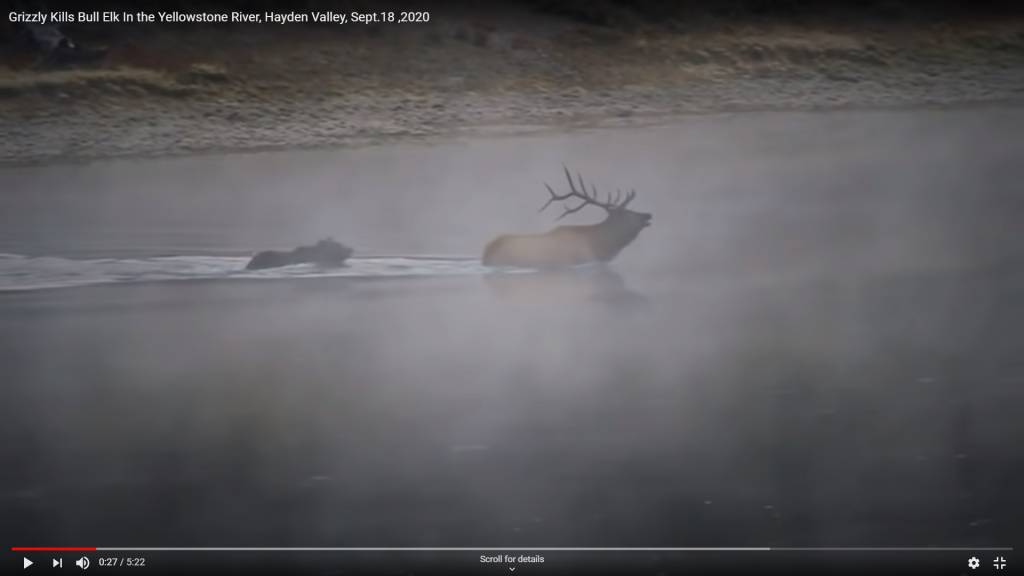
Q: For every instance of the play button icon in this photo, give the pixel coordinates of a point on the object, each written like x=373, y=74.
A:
x=27, y=562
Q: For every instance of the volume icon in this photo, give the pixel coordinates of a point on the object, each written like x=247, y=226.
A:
x=82, y=562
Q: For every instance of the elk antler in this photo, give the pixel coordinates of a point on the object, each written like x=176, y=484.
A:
x=591, y=199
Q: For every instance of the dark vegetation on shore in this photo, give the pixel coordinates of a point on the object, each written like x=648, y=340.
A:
x=682, y=12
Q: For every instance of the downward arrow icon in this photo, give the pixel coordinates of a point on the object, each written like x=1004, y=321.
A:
x=512, y=568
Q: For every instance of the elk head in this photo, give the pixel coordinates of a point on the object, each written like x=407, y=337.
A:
x=619, y=228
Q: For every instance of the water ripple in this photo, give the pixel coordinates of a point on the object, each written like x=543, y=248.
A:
x=19, y=273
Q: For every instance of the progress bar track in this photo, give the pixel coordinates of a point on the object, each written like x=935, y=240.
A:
x=507, y=549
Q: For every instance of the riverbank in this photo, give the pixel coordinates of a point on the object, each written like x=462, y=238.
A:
x=193, y=90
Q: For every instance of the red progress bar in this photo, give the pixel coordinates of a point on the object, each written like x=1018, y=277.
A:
x=39, y=549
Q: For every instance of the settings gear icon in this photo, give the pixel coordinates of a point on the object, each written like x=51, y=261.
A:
x=973, y=563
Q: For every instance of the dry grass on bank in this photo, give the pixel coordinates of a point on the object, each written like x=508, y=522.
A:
x=83, y=82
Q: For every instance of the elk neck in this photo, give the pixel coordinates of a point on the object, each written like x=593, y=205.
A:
x=607, y=238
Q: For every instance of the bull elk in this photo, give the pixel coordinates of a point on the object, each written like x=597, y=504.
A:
x=572, y=245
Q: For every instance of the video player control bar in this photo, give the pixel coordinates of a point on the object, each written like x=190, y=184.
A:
x=527, y=561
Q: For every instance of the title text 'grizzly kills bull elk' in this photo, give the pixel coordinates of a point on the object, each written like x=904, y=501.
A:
x=572, y=245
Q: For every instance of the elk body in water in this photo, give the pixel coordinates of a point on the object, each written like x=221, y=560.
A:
x=572, y=245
